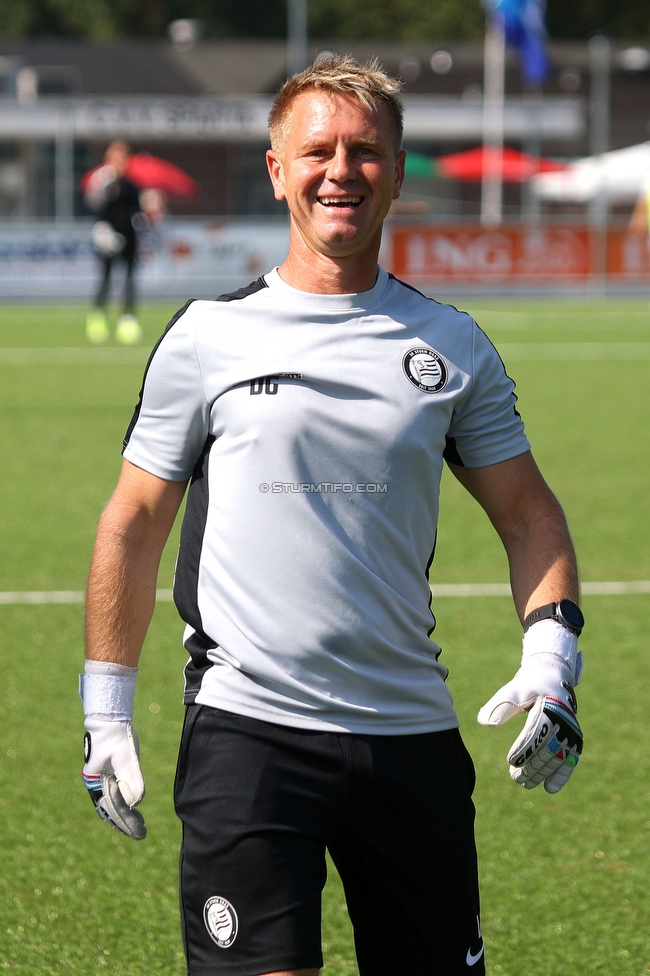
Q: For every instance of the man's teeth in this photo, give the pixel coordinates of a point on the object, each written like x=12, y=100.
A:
x=341, y=201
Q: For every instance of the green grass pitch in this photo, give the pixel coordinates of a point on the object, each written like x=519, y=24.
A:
x=564, y=878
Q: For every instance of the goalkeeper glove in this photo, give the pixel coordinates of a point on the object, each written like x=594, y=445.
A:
x=111, y=771
x=549, y=746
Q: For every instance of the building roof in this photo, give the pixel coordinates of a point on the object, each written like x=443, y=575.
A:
x=250, y=67
x=83, y=68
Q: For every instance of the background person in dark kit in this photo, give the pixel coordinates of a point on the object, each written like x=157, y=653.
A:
x=116, y=201
x=311, y=413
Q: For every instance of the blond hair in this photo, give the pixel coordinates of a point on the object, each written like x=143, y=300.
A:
x=339, y=74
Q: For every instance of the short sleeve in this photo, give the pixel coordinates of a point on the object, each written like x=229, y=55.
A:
x=171, y=421
x=486, y=427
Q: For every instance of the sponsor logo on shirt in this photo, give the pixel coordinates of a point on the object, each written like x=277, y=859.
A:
x=221, y=921
x=425, y=369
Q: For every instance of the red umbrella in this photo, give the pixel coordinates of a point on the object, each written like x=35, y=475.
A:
x=153, y=173
x=516, y=167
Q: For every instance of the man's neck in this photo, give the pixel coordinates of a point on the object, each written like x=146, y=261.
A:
x=321, y=274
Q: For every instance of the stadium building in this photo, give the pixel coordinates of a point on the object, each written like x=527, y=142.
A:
x=204, y=107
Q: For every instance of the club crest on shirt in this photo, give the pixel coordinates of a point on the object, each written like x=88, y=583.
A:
x=425, y=369
x=221, y=921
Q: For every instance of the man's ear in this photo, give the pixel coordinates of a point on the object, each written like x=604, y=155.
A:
x=276, y=173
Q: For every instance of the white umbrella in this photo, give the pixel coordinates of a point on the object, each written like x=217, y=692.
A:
x=620, y=174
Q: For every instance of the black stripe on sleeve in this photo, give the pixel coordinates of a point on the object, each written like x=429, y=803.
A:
x=138, y=408
x=235, y=296
x=404, y=284
x=514, y=385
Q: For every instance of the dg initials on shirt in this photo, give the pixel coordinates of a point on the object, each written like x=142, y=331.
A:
x=264, y=383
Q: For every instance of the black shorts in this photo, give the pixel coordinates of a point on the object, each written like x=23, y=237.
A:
x=260, y=804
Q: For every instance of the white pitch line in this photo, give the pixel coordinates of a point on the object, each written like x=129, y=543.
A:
x=43, y=596
x=615, y=589
x=503, y=589
x=438, y=589
x=471, y=589
x=62, y=596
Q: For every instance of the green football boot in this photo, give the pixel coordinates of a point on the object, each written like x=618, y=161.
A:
x=96, y=327
x=129, y=331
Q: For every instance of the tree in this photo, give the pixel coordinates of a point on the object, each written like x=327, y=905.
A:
x=391, y=20
x=378, y=20
x=110, y=19
x=627, y=19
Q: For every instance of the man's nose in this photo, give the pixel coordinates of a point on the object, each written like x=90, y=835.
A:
x=341, y=166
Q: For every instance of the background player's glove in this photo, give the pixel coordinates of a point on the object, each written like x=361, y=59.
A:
x=111, y=771
x=550, y=743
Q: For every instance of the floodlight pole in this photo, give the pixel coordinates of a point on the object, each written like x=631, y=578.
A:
x=600, y=67
x=533, y=101
x=64, y=168
x=296, y=36
x=493, y=97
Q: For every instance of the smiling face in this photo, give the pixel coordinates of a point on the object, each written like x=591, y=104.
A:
x=339, y=170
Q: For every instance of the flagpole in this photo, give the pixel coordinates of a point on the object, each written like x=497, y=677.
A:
x=600, y=66
x=532, y=144
x=493, y=98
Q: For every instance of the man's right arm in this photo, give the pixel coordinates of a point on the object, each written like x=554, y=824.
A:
x=122, y=582
x=120, y=601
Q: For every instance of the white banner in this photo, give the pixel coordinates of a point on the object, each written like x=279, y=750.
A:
x=243, y=118
x=178, y=259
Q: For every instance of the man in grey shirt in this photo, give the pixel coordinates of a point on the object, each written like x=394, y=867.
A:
x=310, y=413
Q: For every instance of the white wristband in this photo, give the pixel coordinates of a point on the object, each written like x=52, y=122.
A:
x=108, y=690
x=549, y=637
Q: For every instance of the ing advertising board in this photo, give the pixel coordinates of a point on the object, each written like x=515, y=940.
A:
x=435, y=254
x=472, y=254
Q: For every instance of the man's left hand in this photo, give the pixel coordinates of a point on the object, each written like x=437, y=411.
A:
x=550, y=744
x=549, y=747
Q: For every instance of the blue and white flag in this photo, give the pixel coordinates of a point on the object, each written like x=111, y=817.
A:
x=525, y=28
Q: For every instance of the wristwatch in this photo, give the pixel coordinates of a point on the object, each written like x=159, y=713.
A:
x=566, y=612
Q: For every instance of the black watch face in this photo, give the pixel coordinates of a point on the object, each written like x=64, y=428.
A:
x=572, y=613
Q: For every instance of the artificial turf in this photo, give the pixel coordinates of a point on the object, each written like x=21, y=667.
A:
x=564, y=878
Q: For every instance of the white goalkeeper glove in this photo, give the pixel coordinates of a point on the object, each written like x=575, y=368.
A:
x=550, y=744
x=111, y=771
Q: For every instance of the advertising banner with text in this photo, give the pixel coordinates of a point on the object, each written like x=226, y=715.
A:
x=462, y=254
x=197, y=258
x=177, y=259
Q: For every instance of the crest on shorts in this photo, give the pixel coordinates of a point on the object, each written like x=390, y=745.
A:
x=425, y=369
x=221, y=921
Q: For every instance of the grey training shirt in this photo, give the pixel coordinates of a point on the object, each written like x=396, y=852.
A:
x=313, y=428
